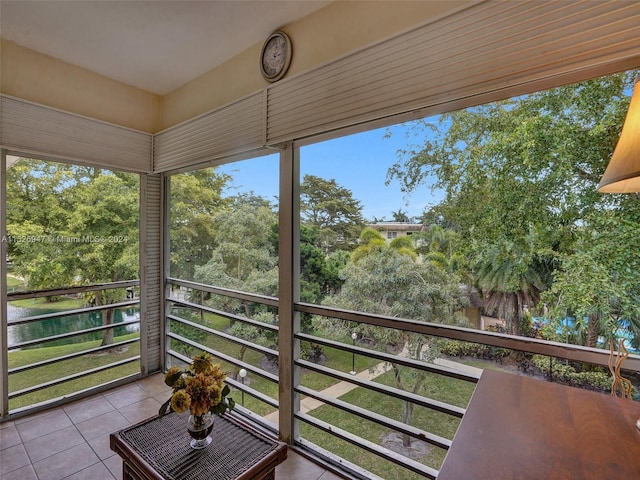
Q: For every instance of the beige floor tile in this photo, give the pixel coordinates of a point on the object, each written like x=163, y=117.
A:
x=43, y=424
x=11, y=459
x=52, y=443
x=95, y=472
x=8, y=435
x=102, y=425
x=66, y=463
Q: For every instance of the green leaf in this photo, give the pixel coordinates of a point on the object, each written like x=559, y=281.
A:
x=164, y=408
x=172, y=379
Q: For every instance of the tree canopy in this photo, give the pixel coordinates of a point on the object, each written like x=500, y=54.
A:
x=333, y=210
x=71, y=224
x=520, y=180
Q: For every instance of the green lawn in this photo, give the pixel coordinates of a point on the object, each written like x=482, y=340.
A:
x=436, y=386
x=64, y=303
x=13, y=281
x=52, y=372
x=335, y=358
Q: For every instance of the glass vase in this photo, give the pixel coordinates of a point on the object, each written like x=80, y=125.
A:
x=199, y=427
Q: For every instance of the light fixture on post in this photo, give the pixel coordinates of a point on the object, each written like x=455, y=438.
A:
x=354, y=336
x=623, y=172
x=242, y=373
x=622, y=175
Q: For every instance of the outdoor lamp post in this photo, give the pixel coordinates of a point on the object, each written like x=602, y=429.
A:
x=354, y=336
x=242, y=373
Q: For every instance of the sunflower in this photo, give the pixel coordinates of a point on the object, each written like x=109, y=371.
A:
x=180, y=401
x=202, y=364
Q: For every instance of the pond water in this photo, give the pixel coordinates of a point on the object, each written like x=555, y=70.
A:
x=57, y=326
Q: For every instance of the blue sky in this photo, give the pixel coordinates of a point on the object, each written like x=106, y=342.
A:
x=358, y=162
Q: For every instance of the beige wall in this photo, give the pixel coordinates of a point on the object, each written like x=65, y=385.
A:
x=42, y=79
x=330, y=33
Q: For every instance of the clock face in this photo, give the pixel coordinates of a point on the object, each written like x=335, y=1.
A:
x=276, y=55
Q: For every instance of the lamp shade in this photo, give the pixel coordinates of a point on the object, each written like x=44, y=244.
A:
x=623, y=172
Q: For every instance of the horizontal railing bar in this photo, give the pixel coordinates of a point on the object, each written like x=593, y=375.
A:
x=326, y=457
x=252, y=392
x=227, y=292
x=387, y=422
x=386, y=390
x=223, y=314
x=52, y=292
x=226, y=336
x=77, y=311
x=89, y=351
x=370, y=446
x=75, y=376
x=391, y=358
x=268, y=400
x=255, y=420
x=578, y=353
x=223, y=356
x=80, y=394
x=71, y=334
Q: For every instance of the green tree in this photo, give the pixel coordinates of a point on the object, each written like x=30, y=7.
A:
x=511, y=278
x=388, y=282
x=523, y=165
x=400, y=216
x=195, y=198
x=38, y=209
x=333, y=210
x=597, y=284
x=243, y=257
x=105, y=219
x=86, y=223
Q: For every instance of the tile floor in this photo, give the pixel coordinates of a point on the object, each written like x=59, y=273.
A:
x=72, y=442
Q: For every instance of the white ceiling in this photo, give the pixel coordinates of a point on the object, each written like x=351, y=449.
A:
x=155, y=45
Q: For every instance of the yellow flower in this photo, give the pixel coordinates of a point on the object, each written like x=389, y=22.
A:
x=197, y=388
x=214, y=394
x=202, y=363
x=180, y=401
x=218, y=375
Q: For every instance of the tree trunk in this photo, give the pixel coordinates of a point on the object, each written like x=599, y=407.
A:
x=247, y=309
x=107, y=319
x=593, y=329
x=407, y=416
x=407, y=407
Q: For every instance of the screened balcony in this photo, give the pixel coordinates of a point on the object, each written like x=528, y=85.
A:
x=340, y=400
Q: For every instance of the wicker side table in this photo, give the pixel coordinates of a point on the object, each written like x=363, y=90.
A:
x=158, y=449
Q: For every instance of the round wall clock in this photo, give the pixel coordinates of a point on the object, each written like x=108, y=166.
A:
x=276, y=56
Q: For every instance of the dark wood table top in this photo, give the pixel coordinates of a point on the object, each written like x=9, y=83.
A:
x=520, y=428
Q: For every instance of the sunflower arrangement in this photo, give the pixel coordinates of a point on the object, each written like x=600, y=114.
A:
x=199, y=388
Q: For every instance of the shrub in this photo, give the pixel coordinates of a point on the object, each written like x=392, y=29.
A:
x=457, y=348
x=568, y=374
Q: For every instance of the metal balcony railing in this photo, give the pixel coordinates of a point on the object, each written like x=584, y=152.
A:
x=221, y=342
x=47, y=379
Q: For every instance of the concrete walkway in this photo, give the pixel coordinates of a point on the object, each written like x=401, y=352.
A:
x=334, y=391
x=337, y=390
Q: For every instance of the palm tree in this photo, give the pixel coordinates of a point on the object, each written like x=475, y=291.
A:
x=511, y=279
